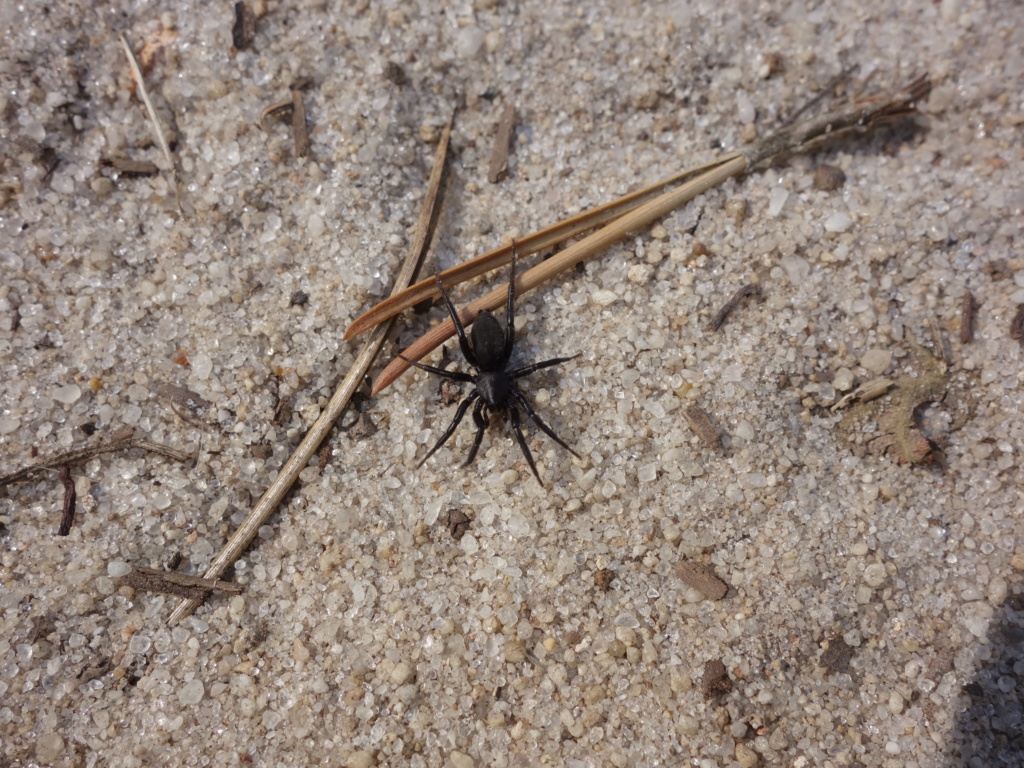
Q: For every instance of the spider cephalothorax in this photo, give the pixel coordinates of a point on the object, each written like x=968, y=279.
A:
x=488, y=350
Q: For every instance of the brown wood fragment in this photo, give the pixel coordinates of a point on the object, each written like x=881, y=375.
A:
x=716, y=680
x=968, y=316
x=942, y=349
x=67, y=517
x=1017, y=325
x=177, y=584
x=747, y=290
x=131, y=168
x=498, y=168
x=828, y=178
x=704, y=427
x=243, y=32
x=300, y=134
x=702, y=579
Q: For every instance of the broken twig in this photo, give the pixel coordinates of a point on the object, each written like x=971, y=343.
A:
x=67, y=516
x=747, y=290
x=157, y=130
x=123, y=440
x=177, y=584
x=619, y=219
x=289, y=473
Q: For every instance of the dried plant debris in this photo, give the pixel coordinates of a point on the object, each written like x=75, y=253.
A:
x=1017, y=325
x=123, y=440
x=701, y=578
x=67, y=517
x=502, y=137
x=130, y=168
x=294, y=108
x=898, y=431
x=941, y=344
x=864, y=393
x=828, y=178
x=177, y=584
x=186, y=403
x=837, y=654
x=279, y=109
x=243, y=32
x=394, y=73
x=300, y=132
x=704, y=426
x=604, y=577
x=720, y=316
x=968, y=317
x=457, y=523
x=716, y=680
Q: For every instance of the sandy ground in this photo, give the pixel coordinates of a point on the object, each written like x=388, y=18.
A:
x=469, y=616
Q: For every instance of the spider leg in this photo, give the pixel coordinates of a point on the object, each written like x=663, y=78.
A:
x=539, y=421
x=510, y=326
x=455, y=375
x=481, y=426
x=527, y=370
x=460, y=329
x=513, y=413
x=463, y=407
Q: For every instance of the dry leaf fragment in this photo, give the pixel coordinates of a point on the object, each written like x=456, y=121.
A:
x=502, y=137
x=701, y=578
x=704, y=426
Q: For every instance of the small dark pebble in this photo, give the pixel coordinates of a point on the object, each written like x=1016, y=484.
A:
x=837, y=655
x=298, y=299
x=394, y=73
x=828, y=178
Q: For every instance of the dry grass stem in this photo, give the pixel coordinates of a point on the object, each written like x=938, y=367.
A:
x=532, y=243
x=157, y=130
x=619, y=219
x=289, y=473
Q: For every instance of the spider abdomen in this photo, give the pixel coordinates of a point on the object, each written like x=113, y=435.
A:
x=489, y=343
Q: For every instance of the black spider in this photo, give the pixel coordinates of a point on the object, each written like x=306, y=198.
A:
x=494, y=384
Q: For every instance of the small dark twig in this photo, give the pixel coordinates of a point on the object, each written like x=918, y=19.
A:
x=968, y=317
x=67, y=517
x=747, y=290
x=123, y=440
x=177, y=584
